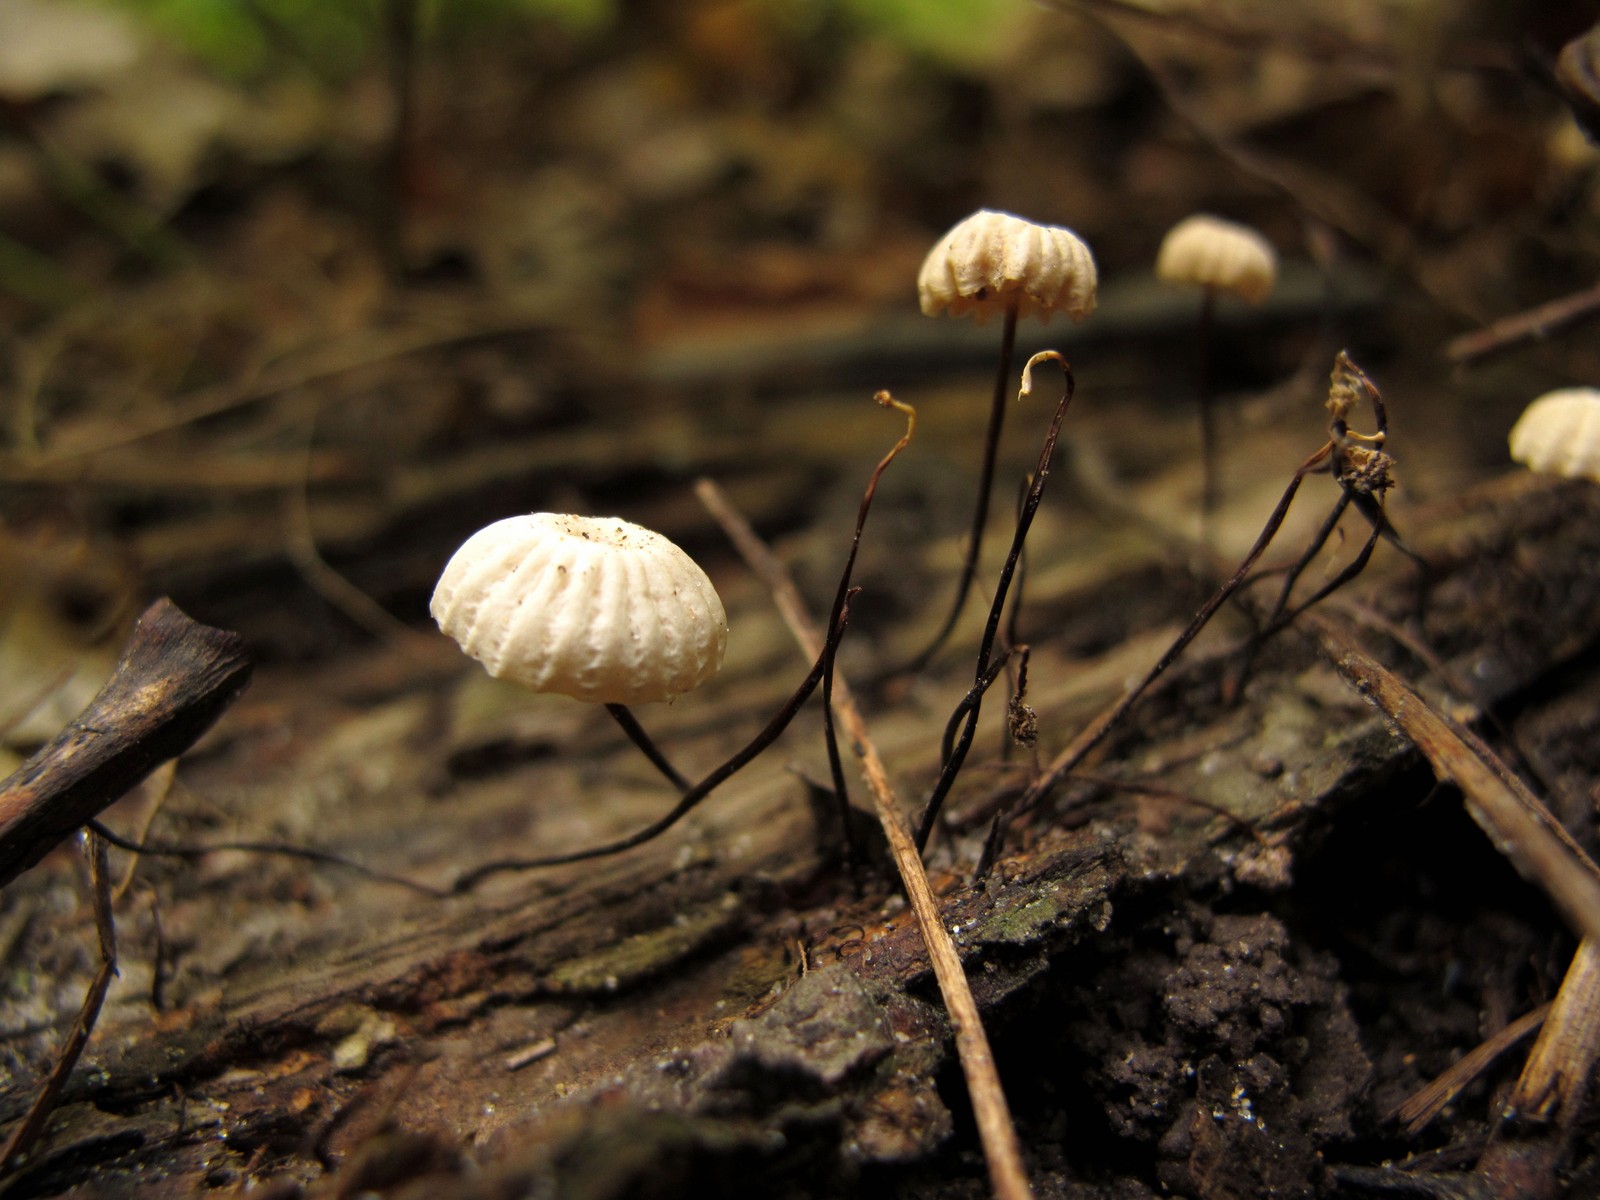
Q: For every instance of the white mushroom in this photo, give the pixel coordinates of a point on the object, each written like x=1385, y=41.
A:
x=1222, y=255
x=595, y=608
x=1559, y=434
x=993, y=260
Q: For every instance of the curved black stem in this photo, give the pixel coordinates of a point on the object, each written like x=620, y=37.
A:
x=324, y=857
x=636, y=734
x=973, y=697
x=980, y=513
x=1102, y=725
x=1030, y=507
x=1210, y=487
x=830, y=737
x=837, y=617
x=470, y=879
x=1234, y=683
x=1355, y=566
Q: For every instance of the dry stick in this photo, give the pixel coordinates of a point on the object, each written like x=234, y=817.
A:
x=980, y=515
x=1523, y=830
x=1002, y=1151
x=1428, y=1101
x=173, y=681
x=1094, y=733
x=33, y=1121
x=1535, y=324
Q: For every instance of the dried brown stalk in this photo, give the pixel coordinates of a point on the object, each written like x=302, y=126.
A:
x=1002, y=1150
x=1532, y=325
x=1428, y=1101
x=1558, y=1068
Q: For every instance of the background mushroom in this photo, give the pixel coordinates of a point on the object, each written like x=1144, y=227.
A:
x=1217, y=256
x=993, y=262
x=1559, y=434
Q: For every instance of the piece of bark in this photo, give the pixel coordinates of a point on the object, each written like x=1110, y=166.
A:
x=175, y=678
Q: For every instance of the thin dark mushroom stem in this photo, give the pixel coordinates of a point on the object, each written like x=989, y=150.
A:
x=468, y=880
x=1097, y=730
x=1210, y=487
x=980, y=512
x=1030, y=507
x=623, y=715
x=841, y=601
x=973, y=697
x=325, y=858
x=1234, y=683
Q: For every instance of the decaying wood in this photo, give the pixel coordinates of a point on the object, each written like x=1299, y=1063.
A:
x=724, y=997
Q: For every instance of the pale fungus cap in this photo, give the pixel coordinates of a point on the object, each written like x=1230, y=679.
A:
x=592, y=607
x=1214, y=253
x=993, y=258
x=1559, y=434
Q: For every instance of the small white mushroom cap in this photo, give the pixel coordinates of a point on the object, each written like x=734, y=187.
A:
x=1214, y=253
x=993, y=259
x=592, y=607
x=1559, y=434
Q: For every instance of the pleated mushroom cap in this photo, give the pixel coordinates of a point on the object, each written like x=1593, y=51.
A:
x=595, y=608
x=1211, y=252
x=993, y=258
x=1559, y=434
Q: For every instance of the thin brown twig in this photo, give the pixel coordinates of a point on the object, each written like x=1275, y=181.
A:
x=1419, y=1108
x=27, y=1131
x=265, y=382
x=1531, y=325
x=1002, y=1150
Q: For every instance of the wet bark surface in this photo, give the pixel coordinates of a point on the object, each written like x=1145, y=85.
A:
x=1215, y=983
x=278, y=363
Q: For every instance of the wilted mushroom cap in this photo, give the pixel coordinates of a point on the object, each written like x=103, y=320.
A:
x=1220, y=254
x=592, y=607
x=993, y=259
x=1559, y=434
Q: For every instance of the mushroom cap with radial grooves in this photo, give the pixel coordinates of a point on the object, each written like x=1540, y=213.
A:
x=991, y=259
x=1225, y=255
x=1559, y=434
x=596, y=608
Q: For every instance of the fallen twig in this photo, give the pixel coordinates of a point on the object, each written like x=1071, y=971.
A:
x=1428, y=1101
x=1002, y=1150
x=1534, y=324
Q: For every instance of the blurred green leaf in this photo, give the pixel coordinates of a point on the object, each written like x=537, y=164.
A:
x=960, y=33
